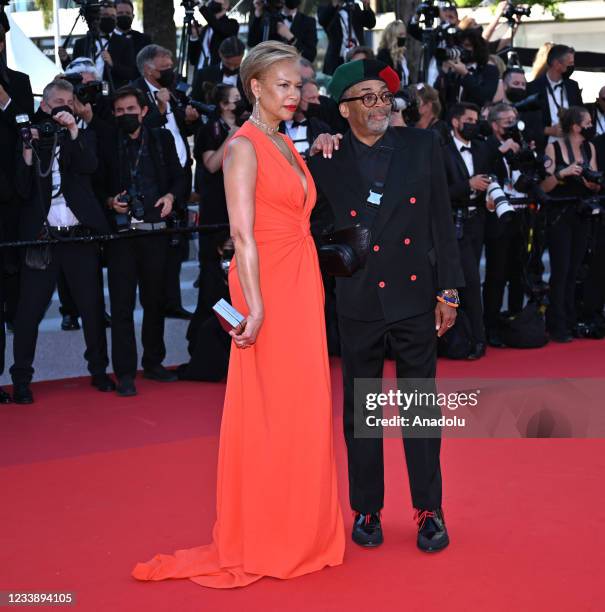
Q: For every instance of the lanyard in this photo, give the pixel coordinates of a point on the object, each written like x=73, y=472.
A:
x=558, y=104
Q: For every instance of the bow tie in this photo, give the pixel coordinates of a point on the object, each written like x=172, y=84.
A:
x=464, y=148
x=296, y=124
x=558, y=86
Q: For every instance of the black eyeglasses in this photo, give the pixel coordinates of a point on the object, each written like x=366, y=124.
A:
x=370, y=99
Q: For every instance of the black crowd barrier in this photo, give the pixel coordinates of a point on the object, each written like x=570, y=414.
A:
x=202, y=229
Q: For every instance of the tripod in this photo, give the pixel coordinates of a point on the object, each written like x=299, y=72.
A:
x=183, y=51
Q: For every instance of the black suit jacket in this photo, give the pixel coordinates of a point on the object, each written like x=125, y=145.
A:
x=478, y=87
x=302, y=27
x=540, y=86
x=19, y=88
x=113, y=178
x=211, y=74
x=139, y=40
x=599, y=144
x=329, y=19
x=77, y=163
x=458, y=176
x=417, y=252
x=315, y=127
x=122, y=53
x=222, y=28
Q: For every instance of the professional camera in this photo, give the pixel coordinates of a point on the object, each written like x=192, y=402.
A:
x=406, y=102
x=87, y=93
x=136, y=209
x=449, y=45
x=495, y=192
x=592, y=176
x=47, y=131
x=427, y=12
x=513, y=11
x=528, y=104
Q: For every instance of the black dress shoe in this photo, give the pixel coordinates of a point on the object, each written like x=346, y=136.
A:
x=494, y=339
x=22, y=394
x=561, y=337
x=5, y=397
x=160, y=374
x=367, y=530
x=125, y=387
x=178, y=313
x=103, y=383
x=70, y=323
x=477, y=352
x=432, y=532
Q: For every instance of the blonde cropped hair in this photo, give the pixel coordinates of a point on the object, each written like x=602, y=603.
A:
x=260, y=58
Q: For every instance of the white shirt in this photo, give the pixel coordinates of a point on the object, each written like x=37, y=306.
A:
x=298, y=136
x=346, y=44
x=172, y=127
x=205, y=55
x=559, y=101
x=100, y=46
x=600, y=122
x=59, y=214
x=467, y=158
x=230, y=79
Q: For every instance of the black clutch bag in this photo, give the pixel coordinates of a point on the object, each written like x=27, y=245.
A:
x=342, y=252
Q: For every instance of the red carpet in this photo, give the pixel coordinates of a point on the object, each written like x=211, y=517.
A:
x=90, y=481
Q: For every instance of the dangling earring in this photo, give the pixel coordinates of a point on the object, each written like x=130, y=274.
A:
x=256, y=110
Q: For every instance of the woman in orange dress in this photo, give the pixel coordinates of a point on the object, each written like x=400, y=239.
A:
x=277, y=502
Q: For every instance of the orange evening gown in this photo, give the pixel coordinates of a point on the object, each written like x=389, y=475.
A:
x=278, y=512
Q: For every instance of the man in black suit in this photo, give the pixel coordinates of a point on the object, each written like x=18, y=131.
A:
x=15, y=99
x=204, y=42
x=597, y=112
x=556, y=89
x=143, y=163
x=284, y=22
x=64, y=203
x=124, y=18
x=392, y=181
x=345, y=29
x=165, y=111
x=231, y=52
x=112, y=53
x=466, y=165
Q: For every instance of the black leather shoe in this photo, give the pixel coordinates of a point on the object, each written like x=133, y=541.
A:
x=432, y=532
x=70, y=323
x=5, y=397
x=561, y=337
x=22, y=394
x=178, y=313
x=494, y=339
x=103, y=383
x=367, y=530
x=477, y=352
x=160, y=374
x=125, y=387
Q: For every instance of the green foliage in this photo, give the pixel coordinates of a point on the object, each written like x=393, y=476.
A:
x=46, y=6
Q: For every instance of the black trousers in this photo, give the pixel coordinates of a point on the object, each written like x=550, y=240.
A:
x=471, y=245
x=2, y=319
x=414, y=346
x=504, y=244
x=80, y=263
x=567, y=242
x=130, y=262
x=593, y=293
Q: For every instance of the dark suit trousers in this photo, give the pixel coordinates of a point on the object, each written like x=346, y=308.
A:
x=471, y=245
x=80, y=263
x=363, y=352
x=594, y=285
x=567, y=243
x=504, y=264
x=131, y=261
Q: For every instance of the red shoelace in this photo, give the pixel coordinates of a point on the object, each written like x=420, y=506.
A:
x=420, y=517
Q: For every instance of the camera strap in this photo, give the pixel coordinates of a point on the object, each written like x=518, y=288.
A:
x=584, y=147
x=558, y=104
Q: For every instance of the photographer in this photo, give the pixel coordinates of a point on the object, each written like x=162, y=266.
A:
x=53, y=177
x=15, y=99
x=469, y=77
x=429, y=111
x=556, y=89
x=344, y=23
x=571, y=159
x=467, y=172
x=204, y=42
x=504, y=239
x=281, y=20
x=142, y=176
x=231, y=53
x=391, y=50
x=167, y=111
x=597, y=112
x=124, y=19
x=112, y=53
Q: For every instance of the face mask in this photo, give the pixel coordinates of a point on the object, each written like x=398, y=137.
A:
x=215, y=7
x=107, y=24
x=567, y=74
x=292, y=4
x=313, y=110
x=515, y=94
x=589, y=132
x=468, y=131
x=509, y=131
x=124, y=22
x=166, y=78
x=401, y=41
x=60, y=109
x=128, y=123
x=240, y=107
